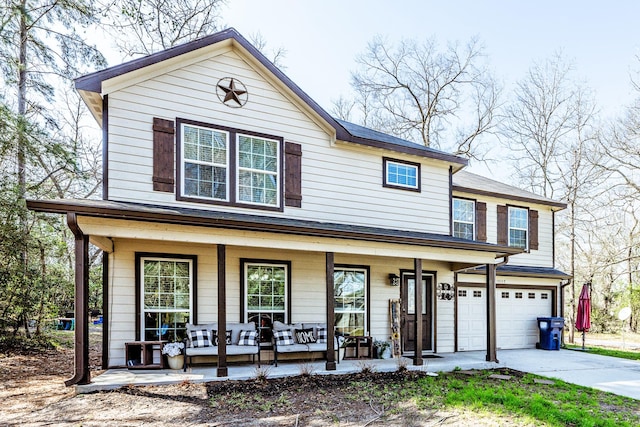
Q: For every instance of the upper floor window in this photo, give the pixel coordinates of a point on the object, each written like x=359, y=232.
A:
x=464, y=218
x=224, y=165
x=258, y=170
x=518, y=227
x=401, y=174
x=206, y=163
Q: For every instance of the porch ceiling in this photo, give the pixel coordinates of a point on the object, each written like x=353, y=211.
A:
x=138, y=221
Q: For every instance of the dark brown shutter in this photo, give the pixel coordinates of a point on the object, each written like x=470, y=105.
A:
x=502, y=225
x=533, y=230
x=481, y=221
x=163, y=154
x=293, y=174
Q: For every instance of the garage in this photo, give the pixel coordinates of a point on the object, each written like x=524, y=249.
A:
x=517, y=311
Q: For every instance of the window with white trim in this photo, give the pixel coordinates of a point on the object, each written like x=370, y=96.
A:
x=518, y=227
x=166, y=303
x=350, y=296
x=258, y=166
x=229, y=166
x=265, y=292
x=205, y=163
x=464, y=212
x=402, y=175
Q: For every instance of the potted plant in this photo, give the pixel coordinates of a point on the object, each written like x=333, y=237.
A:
x=173, y=350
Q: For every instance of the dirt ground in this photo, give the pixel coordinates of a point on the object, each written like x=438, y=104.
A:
x=33, y=393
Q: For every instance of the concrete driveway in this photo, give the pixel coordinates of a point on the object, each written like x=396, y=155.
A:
x=619, y=376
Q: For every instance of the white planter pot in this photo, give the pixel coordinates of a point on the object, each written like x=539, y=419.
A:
x=176, y=362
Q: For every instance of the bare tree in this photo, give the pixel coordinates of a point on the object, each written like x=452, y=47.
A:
x=622, y=161
x=552, y=132
x=444, y=99
x=275, y=55
x=142, y=27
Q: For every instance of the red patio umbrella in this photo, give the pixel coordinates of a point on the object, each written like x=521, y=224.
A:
x=583, y=317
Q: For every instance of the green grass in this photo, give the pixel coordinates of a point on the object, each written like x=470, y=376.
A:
x=623, y=354
x=557, y=405
x=519, y=400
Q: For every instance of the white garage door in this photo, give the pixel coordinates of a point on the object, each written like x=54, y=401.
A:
x=517, y=311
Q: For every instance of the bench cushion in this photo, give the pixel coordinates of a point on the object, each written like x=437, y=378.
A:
x=232, y=350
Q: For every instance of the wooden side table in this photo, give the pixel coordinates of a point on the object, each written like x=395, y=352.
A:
x=360, y=342
x=139, y=354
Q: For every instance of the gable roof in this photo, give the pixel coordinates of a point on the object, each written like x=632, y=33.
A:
x=90, y=88
x=467, y=182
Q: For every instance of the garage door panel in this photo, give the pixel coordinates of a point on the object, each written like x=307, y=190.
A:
x=517, y=311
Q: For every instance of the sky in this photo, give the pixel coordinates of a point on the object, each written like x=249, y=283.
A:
x=322, y=38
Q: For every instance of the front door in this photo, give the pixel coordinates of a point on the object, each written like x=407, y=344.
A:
x=409, y=312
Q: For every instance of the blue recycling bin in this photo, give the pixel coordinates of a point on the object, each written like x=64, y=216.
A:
x=550, y=332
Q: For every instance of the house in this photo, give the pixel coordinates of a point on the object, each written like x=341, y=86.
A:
x=231, y=196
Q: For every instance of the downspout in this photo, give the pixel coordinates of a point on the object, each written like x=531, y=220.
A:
x=82, y=374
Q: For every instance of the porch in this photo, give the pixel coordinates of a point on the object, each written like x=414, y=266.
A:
x=122, y=377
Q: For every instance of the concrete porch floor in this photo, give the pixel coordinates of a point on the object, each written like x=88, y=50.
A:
x=116, y=378
x=619, y=376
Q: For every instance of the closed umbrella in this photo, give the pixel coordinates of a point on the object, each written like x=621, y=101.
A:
x=583, y=317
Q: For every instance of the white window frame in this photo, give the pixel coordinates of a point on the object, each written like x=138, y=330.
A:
x=184, y=160
x=277, y=173
x=245, y=273
x=365, y=297
x=513, y=227
x=472, y=222
x=143, y=310
x=405, y=165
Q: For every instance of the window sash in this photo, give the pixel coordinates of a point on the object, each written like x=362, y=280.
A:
x=166, y=305
x=464, y=219
x=267, y=287
x=401, y=174
x=205, y=162
x=518, y=227
x=350, y=300
x=258, y=168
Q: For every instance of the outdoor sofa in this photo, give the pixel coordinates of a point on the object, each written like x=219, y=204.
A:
x=300, y=338
x=202, y=340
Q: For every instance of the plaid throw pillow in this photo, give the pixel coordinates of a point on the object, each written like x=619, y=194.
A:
x=248, y=338
x=305, y=336
x=322, y=335
x=214, y=338
x=200, y=338
x=283, y=337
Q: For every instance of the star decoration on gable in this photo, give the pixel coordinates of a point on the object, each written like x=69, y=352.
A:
x=232, y=92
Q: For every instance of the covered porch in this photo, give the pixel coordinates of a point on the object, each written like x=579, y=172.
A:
x=220, y=241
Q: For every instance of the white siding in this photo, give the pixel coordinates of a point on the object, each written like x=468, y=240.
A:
x=308, y=293
x=341, y=183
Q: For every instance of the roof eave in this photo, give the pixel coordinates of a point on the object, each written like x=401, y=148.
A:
x=253, y=223
x=417, y=151
x=554, y=204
